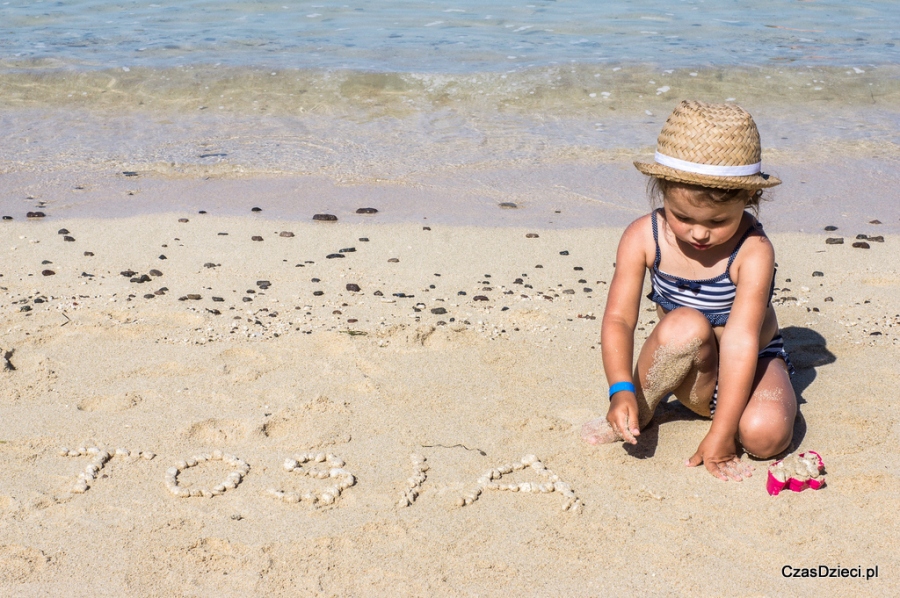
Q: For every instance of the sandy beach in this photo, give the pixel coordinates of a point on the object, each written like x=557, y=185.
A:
x=176, y=335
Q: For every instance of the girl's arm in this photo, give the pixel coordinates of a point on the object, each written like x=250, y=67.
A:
x=619, y=321
x=738, y=349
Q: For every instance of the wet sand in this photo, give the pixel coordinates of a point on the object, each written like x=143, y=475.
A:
x=470, y=346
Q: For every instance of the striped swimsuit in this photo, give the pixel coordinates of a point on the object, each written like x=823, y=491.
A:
x=713, y=297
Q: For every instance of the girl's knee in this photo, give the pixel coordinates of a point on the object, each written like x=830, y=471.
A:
x=685, y=324
x=763, y=437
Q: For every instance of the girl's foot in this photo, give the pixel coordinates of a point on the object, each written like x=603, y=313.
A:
x=598, y=431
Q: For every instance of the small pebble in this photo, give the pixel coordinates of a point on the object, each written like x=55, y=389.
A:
x=325, y=217
x=439, y=311
x=861, y=237
x=182, y=220
x=817, y=273
x=353, y=288
x=286, y=234
x=508, y=205
x=7, y=217
x=861, y=245
x=256, y=238
x=834, y=241
x=35, y=215
x=364, y=239
x=828, y=299
x=531, y=236
x=878, y=239
x=563, y=253
x=48, y=272
x=348, y=250
x=63, y=231
x=331, y=256
x=256, y=209
x=479, y=298
x=830, y=228
x=393, y=260
x=89, y=254
x=875, y=221
x=366, y=211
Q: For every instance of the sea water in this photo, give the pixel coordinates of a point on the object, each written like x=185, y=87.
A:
x=494, y=100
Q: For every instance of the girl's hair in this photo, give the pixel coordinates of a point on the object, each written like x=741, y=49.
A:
x=658, y=187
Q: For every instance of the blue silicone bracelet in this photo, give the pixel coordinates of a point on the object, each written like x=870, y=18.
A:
x=618, y=386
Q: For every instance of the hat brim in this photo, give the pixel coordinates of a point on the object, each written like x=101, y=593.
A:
x=754, y=181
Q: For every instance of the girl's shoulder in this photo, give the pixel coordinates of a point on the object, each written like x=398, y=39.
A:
x=637, y=240
x=755, y=250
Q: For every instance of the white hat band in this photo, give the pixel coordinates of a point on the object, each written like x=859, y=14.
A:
x=711, y=169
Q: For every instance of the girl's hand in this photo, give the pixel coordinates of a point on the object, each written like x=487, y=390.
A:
x=623, y=416
x=721, y=460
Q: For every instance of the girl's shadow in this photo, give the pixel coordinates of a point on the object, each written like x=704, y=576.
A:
x=807, y=350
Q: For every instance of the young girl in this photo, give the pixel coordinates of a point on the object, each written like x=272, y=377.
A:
x=716, y=347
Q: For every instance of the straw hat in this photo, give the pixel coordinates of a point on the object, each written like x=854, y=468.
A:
x=713, y=145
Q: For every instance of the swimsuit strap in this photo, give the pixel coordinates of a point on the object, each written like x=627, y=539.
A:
x=753, y=227
x=655, y=239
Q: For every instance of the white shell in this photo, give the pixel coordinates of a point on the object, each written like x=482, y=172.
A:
x=148, y=455
x=529, y=459
x=64, y=452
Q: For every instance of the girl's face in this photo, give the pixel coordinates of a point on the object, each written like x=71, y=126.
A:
x=700, y=223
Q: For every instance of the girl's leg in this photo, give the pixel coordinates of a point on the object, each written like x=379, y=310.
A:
x=680, y=356
x=767, y=425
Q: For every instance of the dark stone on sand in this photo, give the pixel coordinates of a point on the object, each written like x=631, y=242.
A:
x=35, y=215
x=209, y=265
x=352, y=321
x=588, y=290
x=7, y=217
x=256, y=238
x=363, y=240
x=63, y=231
x=378, y=294
x=564, y=252
x=876, y=221
x=315, y=280
x=539, y=266
x=463, y=293
x=393, y=260
x=402, y=295
x=183, y=220
x=246, y=299
x=214, y=312
x=162, y=257
x=878, y=239
x=532, y=236
x=86, y=275
x=426, y=228
x=318, y=293
x=89, y=254
x=518, y=281
x=830, y=228
x=48, y=272
x=127, y=273
x=438, y=311
x=256, y=209
x=861, y=237
x=829, y=299
x=45, y=262
x=218, y=299
x=348, y=250
x=325, y=217
x=286, y=234
x=154, y=272
x=331, y=256
x=25, y=308
x=817, y=273
x=366, y=211
x=223, y=234
x=129, y=173
x=578, y=268
x=337, y=312
x=569, y=292
x=202, y=212
x=834, y=241
x=69, y=239
x=353, y=288
x=149, y=296
x=38, y=300
x=193, y=296
x=144, y=278
x=508, y=205
x=161, y=291
x=263, y=284
x=861, y=245
x=479, y=298
x=582, y=281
